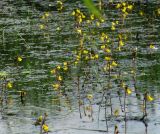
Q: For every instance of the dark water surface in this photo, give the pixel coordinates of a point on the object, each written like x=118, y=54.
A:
x=43, y=49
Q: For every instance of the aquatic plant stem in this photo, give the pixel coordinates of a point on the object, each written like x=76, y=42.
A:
x=79, y=99
x=106, y=114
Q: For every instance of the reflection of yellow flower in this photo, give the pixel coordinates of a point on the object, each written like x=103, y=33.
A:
x=45, y=128
x=89, y=96
x=9, y=85
x=116, y=112
x=149, y=98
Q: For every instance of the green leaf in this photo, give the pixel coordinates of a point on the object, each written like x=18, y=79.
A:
x=91, y=7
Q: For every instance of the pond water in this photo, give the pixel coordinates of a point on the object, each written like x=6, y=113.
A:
x=43, y=44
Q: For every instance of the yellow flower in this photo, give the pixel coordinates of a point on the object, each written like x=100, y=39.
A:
x=59, y=78
x=96, y=56
x=86, y=58
x=128, y=91
x=58, y=67
x=92, y=17
x=65, y=68
x=47, y=14
x=107, y=58
x=108, y=50
x=56, y=86
x=89, y=96
x=103, y=47
x=118, y=5
x=141, y=13
x=73, y=13
x=41, y=26
x=97, y=24
x=121, y=43
x=113, y=28
x=149, y=98
x=40, y=118
x=79, y=31
x=45, y=128
x=19, y=59
x=123, y=85
x=9, y=85
x=130, y=7
x=152, y=47
x=65, y=63
x=85, y=51
x=53, y=71
x=114, y=64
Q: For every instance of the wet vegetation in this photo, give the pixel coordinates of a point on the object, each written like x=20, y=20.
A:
x=79, y=66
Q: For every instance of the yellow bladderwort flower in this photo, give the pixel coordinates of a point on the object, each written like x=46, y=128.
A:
x=86, y=58
x=123, y=85
x=141, y=13
x=103, y=47
x=47, y=14
x=76, y=62
x=118, y=5
x=65, y=63
x=41, y=26
x=153, y=47
x=85, y=51
x=124, y=4
x=130, y=7
x=79, y=31
x=45, y=128
x=96, y=56
x=108, y=50
x=59, y=78
x=53, y=71
x=65, y=68
x=92, y=17
x=114, y=64
x=19, y=58
x=149, y=98
x=124, y=9
x=58, y=67
x=129, y=91
x=9, y=85
x=97, y=24
x=56, y=86
x=107, y=58
x=113, y=28
x=121, y=43
x=73, y=13
x=89, y=96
